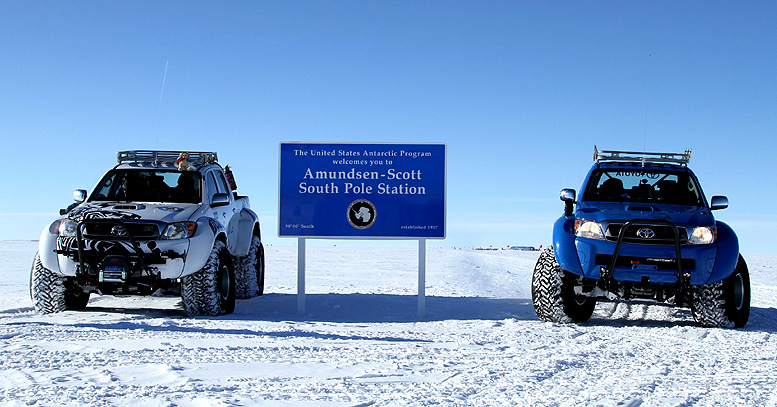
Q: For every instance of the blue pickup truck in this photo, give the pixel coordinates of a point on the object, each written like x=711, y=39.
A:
x=642, y=229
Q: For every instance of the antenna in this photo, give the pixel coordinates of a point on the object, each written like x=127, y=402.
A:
x=159, y=109
x=647, y=104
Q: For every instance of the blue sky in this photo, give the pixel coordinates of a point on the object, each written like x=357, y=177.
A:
x=519, y=91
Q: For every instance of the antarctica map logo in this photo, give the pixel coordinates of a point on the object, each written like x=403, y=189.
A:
x=361, y=214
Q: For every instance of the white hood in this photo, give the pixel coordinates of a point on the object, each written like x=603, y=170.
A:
x=165, y=212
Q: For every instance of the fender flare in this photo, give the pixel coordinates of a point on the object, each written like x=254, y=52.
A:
x=728, y=253
x=201, y=244
x=47, y=246
x=245, y=222
x=564, y=245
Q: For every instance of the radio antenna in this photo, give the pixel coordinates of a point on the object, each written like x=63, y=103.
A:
x=647, y=104
x=159, y=108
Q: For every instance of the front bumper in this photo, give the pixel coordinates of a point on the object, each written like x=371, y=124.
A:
x=646, y=263
x=112, y=260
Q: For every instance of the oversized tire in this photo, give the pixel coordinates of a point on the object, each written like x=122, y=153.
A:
x=261, y=272
x=724, y=303
x=211, y=291
x=553, y=292
x=75, y=297
x=47, y=289
x=52, y=293
x=249, y=271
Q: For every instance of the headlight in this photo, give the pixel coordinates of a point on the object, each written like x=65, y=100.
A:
x=703, y=235
x=68, y=228
x=588, y=229
x=181, y=230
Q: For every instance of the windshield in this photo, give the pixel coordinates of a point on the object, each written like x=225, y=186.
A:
x=149, y=186
x=645, y=186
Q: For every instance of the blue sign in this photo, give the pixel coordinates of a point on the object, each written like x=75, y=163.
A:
x=332, y=190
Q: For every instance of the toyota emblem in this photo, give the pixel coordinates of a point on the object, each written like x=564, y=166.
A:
x=119, y=231
x=646, y=233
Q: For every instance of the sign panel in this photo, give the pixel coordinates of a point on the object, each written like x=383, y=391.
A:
x=362, y=190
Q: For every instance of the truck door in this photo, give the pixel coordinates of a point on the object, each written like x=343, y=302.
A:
x=218, y=184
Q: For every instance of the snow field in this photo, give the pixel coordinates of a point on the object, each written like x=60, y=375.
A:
x=361, y=343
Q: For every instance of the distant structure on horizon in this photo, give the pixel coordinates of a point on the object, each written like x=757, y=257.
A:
x=521, y=248
x=524, y=248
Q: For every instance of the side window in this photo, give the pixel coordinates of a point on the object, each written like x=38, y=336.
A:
x=222, y=183
x=211, y=183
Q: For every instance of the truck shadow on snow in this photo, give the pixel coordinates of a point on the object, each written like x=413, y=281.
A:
x=352, y=307
x=395, y=308
x=364, y=308
x=618, y=314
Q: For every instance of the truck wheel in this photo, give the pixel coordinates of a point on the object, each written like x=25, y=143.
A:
x=47, y=289
x=211, y=291
x=725, y=303
x=260, y=270
x=250, y=271
x=736, y=290
x=75, y=297
x=51, y=293
x=553, y=292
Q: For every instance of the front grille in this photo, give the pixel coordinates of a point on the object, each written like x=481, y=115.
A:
x=661, y=234
x=112, y=231
x=660, y=263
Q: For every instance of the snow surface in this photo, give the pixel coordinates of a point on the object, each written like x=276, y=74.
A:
x=361, y=342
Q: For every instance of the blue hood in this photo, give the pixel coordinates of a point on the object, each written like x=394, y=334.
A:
x=619, y=212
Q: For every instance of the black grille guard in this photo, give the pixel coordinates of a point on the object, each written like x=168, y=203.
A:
x=116, y=222
x=606, y=274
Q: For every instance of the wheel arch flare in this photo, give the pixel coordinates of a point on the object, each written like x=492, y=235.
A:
x=201, y=244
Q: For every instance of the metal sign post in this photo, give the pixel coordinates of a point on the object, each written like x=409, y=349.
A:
x=421, y=278
x=301, y=275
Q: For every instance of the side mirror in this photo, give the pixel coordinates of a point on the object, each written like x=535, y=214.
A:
x=568, y=196
x=219, y=199
x=718, y=202
x=79, y=195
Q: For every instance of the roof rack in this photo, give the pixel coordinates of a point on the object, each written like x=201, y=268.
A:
x=643, y=157
x=165, y=157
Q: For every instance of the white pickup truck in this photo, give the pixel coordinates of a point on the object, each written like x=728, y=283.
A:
x=158, y=222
